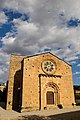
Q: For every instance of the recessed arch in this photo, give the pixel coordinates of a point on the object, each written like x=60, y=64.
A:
x=50, y=95
x=53, y=85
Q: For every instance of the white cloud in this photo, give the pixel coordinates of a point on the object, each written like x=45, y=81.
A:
x=39, y=37
x=78, y=65
x=47, y=9
x=45, y=28
x=3, y=18
x=71, y=58
x=4, y=65
x=73, y=62
x=76, y=73
x=19, y=5
x=8, y=41
x=29, y=28
x=25, y=40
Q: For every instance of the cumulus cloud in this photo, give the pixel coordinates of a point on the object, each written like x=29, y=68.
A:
x=73, y=62
x=8, y=41
x=3, y=18
x=25, y=41
x=19, y=5
x=4, y=65
x=46, y=28
x=71, y=58
x=76, y=73
x=45, y=16
x=31, y=38
x=78, y=65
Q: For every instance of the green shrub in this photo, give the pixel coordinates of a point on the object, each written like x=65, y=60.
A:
x=78, y=104
x=77, y=96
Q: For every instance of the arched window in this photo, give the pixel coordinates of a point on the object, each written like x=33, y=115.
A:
x=50, y=97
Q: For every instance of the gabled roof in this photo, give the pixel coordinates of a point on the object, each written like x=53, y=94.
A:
x=45, y=53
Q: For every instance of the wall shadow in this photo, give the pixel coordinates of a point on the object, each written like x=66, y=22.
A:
x=17, y=91
x=3, y=96
x=2, y=102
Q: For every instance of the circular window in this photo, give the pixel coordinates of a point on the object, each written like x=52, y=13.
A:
x=48, y=66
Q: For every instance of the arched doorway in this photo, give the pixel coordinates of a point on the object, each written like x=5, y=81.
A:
x=50, y=96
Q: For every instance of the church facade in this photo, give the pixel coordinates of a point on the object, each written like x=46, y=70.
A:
x=39, y=82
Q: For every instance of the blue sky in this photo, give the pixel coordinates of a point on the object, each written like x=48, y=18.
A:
x=29, y=27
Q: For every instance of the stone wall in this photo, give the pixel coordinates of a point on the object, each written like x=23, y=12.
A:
x=62, y=77
x=30, y=79
x=14, y=82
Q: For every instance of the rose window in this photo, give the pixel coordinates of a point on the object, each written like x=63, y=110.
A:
x=48, y=66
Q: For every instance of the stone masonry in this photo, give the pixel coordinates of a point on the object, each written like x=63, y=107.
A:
x=39, y=82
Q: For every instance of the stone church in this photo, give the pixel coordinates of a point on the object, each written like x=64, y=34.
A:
x=39, y=82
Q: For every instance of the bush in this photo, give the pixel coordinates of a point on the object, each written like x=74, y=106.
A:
x=77, y=96
x=78, y=104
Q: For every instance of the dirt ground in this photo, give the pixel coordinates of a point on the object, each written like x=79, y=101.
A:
x=56, y=114
x=67, y=116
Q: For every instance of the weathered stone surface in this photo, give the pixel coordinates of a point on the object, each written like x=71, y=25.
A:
x=32, y=78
